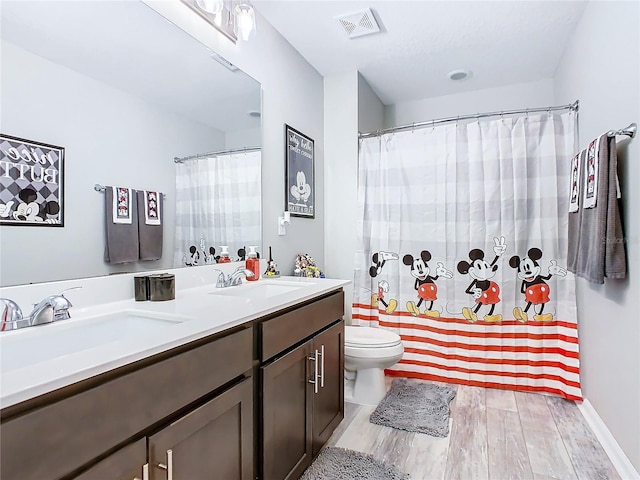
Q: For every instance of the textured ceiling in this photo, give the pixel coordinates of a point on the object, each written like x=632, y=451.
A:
x=421, y=41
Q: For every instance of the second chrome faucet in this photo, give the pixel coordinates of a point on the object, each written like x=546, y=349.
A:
x=232, y=279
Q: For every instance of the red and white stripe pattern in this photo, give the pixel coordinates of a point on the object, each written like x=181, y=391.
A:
x=532, y=356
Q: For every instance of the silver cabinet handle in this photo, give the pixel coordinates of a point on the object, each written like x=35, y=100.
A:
x=322, y=366
x=314, y=359
x=169, y=466
x=145, y=472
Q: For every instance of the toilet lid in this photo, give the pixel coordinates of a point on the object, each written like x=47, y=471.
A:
x=364, y=337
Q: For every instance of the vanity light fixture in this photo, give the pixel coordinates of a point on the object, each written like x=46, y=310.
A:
x=245, y=19
x=213, y=7
x=235, y=19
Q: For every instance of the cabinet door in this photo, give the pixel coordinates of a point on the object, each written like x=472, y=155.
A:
x=286, y=415
x=214, y=441
x=328, y=402
x=125, y=464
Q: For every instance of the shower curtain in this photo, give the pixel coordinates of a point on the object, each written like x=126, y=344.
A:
x=462, y=251
x=218, y=202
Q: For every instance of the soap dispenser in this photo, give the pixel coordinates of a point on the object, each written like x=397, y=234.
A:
x=253, y=264
x=224, y=255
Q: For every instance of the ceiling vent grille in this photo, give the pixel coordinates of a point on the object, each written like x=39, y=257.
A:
x=359, y=23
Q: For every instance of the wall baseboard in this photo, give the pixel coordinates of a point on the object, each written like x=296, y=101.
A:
x=620, y=461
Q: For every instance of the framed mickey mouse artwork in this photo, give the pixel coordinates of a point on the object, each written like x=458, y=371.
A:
x=299, y=172
x=31, y=183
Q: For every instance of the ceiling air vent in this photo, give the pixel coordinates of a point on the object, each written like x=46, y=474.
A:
x=359, y=23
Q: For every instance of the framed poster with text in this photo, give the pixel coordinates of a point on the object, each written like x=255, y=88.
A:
x=31, y=183
x=299, y=174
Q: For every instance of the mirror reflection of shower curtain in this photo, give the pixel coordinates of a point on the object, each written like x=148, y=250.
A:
x=218, y=202
x=463, y=232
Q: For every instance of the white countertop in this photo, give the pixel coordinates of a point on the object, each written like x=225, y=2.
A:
x=200, y=310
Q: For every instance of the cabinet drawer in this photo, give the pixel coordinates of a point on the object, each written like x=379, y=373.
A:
x=280, y=333
x=58, y=438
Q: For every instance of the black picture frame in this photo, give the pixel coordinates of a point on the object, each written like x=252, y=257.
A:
x=299, y=174
x=31, y=183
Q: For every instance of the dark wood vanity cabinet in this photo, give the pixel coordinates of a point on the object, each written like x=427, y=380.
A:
x=94, y=429
x=214, y=441
x=328, y=402
x=128, y=463
x=255, y=401
x=302, y=385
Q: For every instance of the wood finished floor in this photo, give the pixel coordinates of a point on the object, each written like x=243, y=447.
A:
x=494, y=434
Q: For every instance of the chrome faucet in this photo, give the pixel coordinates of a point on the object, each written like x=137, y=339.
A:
x=233, y=279
x=49, y=309
x=53, y=307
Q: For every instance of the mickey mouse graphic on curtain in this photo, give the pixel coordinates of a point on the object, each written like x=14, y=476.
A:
x=536, y=290
x=425, y=284
x=484, y=290
x=379, y=259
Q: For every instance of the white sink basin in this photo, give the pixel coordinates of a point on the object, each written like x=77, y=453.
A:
x=260, y=289
x=33, y=345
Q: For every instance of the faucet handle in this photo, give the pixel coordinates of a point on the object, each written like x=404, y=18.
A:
x=11, y=315
x=221, y=279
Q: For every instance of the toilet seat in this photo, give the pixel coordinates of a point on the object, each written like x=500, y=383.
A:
x=368, y=337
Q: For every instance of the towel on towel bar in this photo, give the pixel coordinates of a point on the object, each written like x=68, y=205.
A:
x=596, y=242
x=121, y=225
x=150, y=226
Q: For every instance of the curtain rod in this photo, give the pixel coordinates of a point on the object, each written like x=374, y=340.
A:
x=572, y=106
x=221, y=152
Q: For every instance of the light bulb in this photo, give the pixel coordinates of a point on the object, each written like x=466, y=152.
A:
x=245, y=21
x=211, y=6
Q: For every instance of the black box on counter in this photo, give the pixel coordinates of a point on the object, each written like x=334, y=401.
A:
x=157, y=287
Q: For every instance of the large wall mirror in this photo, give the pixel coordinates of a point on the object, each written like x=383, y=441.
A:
x=125, y=92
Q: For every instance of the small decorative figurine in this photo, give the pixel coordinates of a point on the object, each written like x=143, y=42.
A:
x=306, y=267
x=272, y=269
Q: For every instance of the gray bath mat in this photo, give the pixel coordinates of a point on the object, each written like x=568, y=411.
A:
x=415, y=407
x=341, y=464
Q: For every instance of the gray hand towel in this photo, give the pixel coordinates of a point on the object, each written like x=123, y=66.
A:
x=150, y=226
x=122, y=238
x=596, y=242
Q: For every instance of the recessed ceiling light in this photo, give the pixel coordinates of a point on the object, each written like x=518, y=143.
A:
x=459, y=74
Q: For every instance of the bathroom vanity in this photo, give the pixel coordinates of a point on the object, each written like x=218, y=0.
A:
x=244, y=384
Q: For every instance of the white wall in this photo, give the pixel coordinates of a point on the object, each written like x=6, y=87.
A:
x=341, y=169
x=111, y=138
x=243, y=138
x=371, y=110
x=510, y=97
x=292, y=93
x=601, y=67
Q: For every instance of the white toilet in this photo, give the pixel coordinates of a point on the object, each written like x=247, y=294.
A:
x=367, y=352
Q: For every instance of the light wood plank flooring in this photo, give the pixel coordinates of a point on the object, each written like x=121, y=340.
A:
x=494, y=434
